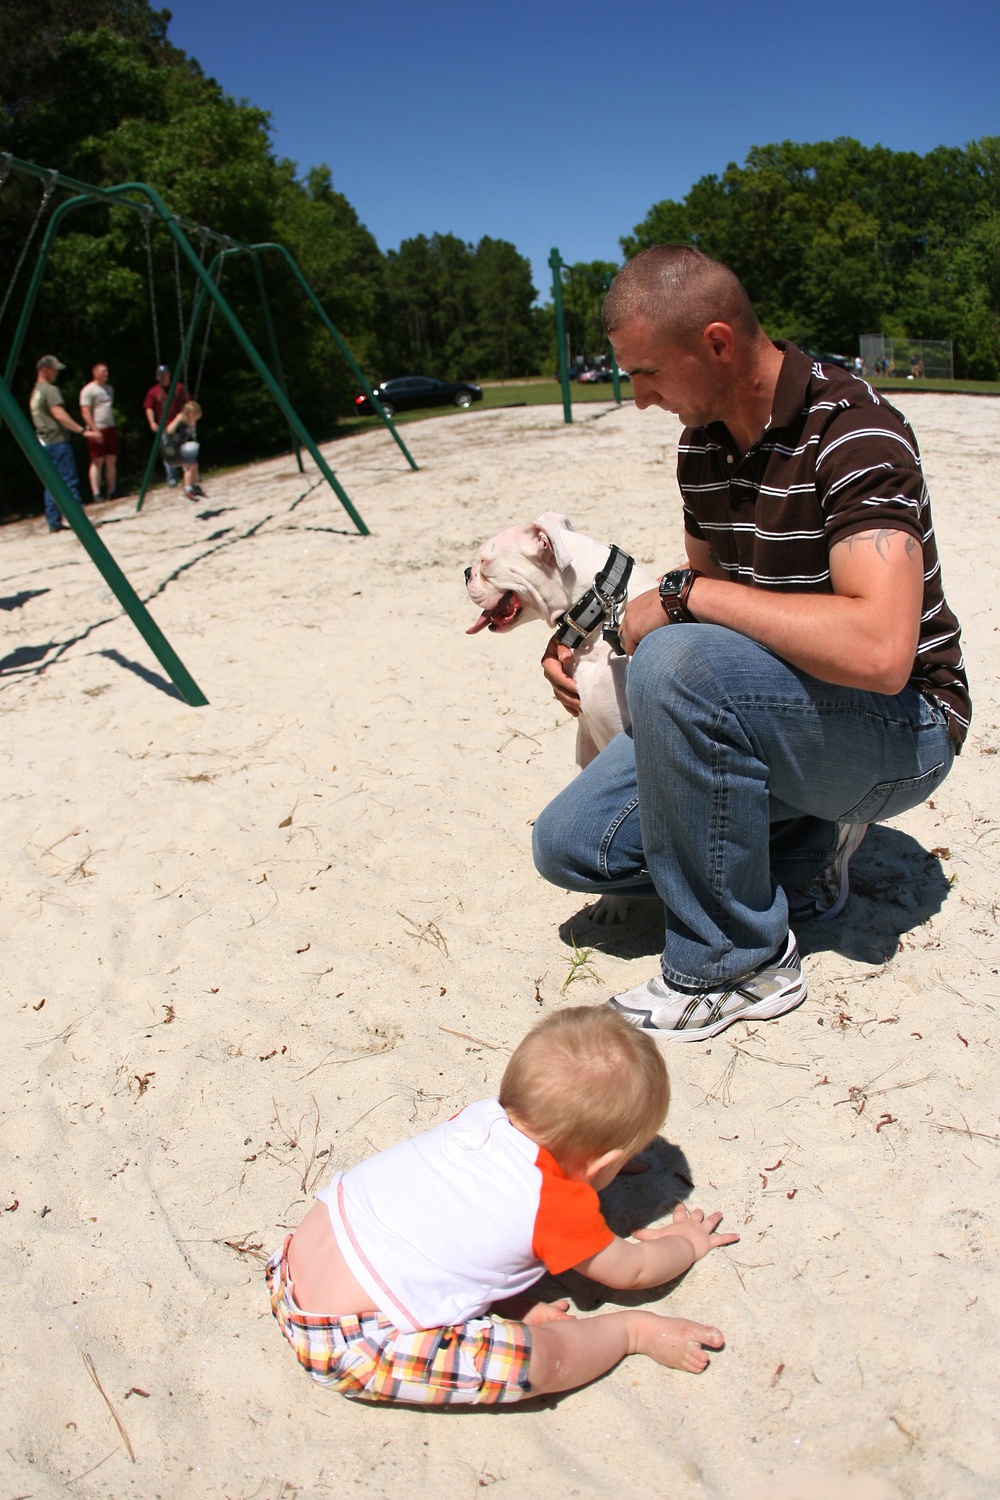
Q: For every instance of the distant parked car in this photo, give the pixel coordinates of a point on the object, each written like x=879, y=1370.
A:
x=410, y=391
x=827, y=359
x=595, y=377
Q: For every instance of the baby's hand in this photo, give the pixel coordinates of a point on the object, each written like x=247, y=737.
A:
x=691, y=1225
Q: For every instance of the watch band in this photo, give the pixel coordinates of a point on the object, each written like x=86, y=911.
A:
x=686, y=592
x=675, y=589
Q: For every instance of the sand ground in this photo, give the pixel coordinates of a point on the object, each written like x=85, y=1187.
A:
x=247, y=943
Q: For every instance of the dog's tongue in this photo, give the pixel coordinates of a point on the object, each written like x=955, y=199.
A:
x=508, y=608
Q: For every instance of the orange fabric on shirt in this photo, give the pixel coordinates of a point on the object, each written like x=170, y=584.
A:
x=569, y=1225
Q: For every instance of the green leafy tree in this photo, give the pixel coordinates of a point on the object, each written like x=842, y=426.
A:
x=157, y=118
x=458, y=311
x=835, y=239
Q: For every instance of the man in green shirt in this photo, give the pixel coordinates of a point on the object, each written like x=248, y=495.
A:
x=53, y=423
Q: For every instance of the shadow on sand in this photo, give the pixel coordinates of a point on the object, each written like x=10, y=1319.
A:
x=896, y=885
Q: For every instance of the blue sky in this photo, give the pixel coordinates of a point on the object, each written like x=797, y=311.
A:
x=561, y=124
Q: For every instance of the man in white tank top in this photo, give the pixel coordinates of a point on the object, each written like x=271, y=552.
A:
x=98, y=414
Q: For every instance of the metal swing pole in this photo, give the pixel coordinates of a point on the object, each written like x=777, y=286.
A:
x=175, y=375
x=289, y=412
x=126, y=595
x=328, y=325
x=275, y=352
x=616, y=384
x=119, y=192
x=31, y=296
x=555, y=261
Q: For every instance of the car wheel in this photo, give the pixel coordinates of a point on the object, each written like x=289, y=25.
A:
x=388, y=408
x=463, y=398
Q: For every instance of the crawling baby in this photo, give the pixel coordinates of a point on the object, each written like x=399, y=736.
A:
x=407, y=1279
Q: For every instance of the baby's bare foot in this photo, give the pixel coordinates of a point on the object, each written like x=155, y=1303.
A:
x=678, y=1343
x=548, y=1312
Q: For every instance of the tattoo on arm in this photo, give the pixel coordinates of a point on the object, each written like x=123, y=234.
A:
x=882, y=539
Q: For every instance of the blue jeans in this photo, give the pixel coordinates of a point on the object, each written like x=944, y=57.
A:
x=61, y=455
x=730, y=783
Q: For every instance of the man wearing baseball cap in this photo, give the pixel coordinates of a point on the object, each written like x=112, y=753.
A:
x=153, y=406
x=52, y=424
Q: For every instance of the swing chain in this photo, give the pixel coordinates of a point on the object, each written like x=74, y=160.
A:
x=226, y=245
x=180, y=312
x=147, y=214
x=48, y=190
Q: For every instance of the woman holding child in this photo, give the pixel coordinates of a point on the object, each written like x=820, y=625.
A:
x=179, y=444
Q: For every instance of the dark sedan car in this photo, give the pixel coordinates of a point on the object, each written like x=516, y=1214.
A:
x=410, y=391
x=827, y=359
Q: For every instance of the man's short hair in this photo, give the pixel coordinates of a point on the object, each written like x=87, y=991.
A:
x=678, y=291
x=584, y=1081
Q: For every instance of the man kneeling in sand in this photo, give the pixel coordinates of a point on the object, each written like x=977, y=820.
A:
x=801, y=678
x=385, y=1289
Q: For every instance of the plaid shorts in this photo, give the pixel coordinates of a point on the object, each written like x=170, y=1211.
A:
x=476, y=1363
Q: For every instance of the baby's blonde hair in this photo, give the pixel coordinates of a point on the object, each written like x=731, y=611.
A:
x=584, y=1081
x=192, y=410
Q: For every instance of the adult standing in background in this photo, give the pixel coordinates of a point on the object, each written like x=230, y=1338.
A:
x=98, y=414
x=153, y=406
x=52, y=423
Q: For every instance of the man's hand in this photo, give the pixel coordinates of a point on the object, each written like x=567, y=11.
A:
x=554, y=664
x=691, y=1225
x=642, y=614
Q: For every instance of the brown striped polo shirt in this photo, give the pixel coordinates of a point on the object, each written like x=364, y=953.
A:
x=833, y=460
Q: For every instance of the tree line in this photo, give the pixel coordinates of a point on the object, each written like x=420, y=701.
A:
x=435, y=305
x=838, y=239
x=831, y=240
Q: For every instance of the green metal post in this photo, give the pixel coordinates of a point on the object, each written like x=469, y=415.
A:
x=175, y=376
x=31, y=296
x=275, y=352
x=340, y=344
x=555, y=261
x=129, y=600
x=243, y=338
x=615, y=380
x=119, y=191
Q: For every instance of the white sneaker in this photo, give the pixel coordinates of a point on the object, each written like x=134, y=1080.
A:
x=825, y=896
x=679, y=1016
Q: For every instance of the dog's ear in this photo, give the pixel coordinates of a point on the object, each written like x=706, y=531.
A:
x=554, y=518
x=549, y=530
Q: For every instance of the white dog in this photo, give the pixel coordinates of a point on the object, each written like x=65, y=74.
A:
x=538, y=572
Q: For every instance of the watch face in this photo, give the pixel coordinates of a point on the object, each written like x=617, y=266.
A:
x=672, y=583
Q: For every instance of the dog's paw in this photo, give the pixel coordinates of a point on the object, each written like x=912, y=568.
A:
x=609, y=911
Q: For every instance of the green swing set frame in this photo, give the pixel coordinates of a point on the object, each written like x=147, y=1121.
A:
x=558, y=267
x=144, y=199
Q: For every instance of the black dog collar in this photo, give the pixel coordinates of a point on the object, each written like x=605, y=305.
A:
x=599, y=603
